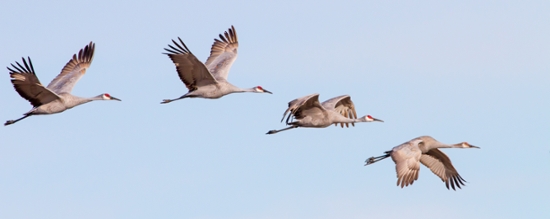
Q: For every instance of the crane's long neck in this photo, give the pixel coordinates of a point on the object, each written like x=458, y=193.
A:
x=438, y=144
x=442, y=145
x=230, y=88
x=241, y=90
x=342, y=119
x=72, y=101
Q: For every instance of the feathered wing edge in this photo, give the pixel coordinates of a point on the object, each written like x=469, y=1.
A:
x=74, y=69
x=192, y=72
x=441, y=166
x=228, y=40
x=26, y=83
x=295, y=106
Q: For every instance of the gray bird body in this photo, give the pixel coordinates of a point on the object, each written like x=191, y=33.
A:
x=208, y=80
x=56, y=97
x=424, y=149
x=308, y=112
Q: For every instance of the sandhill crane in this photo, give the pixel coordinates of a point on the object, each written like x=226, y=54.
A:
x=208, y=80
x=57, y=96
x=308, y=112
x=423, y=149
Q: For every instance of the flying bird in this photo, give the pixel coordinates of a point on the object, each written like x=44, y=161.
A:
x=424, y=149
x=208, y=80
x=308, y=112
x=57, y=96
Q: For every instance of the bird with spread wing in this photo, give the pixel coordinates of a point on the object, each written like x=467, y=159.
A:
x=307, y=111
x=208, y=80
x=56, y=97
x=424, y=149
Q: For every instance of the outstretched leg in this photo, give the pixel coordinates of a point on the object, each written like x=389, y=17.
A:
x=372, y=160
x=9, y=122
x=170, y=100
x=280, y=130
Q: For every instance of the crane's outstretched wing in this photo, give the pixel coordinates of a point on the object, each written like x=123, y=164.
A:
x=344, y=106
x=304, y=106
x=28, y=86
x=441, y=166
x=73, y=70
x=222, y=54
x=192, y=72
x=407, y=165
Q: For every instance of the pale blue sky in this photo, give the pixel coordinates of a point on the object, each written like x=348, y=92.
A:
x=475, y=71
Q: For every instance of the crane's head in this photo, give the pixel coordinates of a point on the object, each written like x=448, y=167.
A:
x=107, y=96
x=369, y=118
x=466, y=145
x=260, y=89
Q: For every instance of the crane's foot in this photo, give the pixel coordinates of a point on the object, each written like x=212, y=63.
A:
x=271, y=132
x=165, y=101
x=371, y=160
x=9, y=122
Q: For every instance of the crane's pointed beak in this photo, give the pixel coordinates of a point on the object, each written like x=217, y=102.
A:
x=377, y=120
x=266, y=91
x=472, y=146
x=114, y=98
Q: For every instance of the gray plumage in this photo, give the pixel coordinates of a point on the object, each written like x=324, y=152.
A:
x=208, y=80
x=307, y=111
x=57, y=96
x=424, y=149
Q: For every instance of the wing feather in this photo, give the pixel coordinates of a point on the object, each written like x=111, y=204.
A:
x=192, y=72
x=441, y=166
x=73, y=70
x=344, y=106
x=28, y=86
x=222, y=54
x=304, y=106
x=407, y=165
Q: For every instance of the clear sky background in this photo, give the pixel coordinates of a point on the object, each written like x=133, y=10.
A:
x=475, y=71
